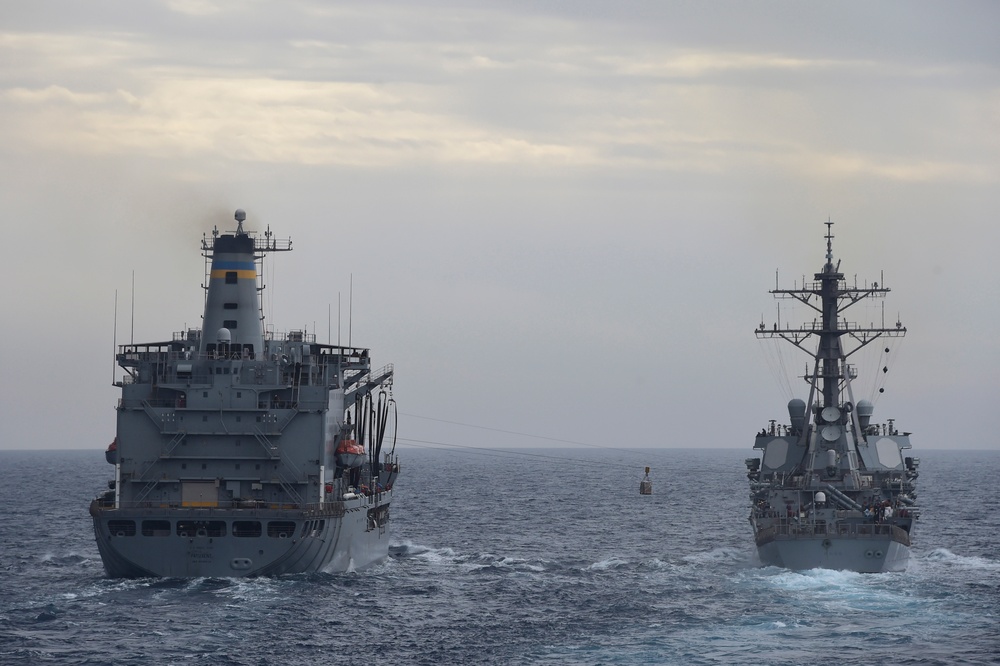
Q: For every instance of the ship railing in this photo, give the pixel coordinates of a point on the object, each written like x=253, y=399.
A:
x=335, y=507
x=267, y=400
x=364, y=381
x=323, y=367
x=274, y=335
x=793, y=529
x=190, y=335
x=261, y=244
x=843, y=287
x=836, y=370
x=816, y=326
x=384, y=371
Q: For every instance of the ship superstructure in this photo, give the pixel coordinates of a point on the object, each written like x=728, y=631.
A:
x=833, y=488
x=245, y=452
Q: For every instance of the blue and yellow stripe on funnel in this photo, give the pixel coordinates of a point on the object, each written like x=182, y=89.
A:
x=243, y=269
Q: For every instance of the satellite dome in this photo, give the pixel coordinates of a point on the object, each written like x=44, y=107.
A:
x=864, y=409
x=797, y=413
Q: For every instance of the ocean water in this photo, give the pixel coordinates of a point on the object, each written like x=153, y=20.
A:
x=506, y=557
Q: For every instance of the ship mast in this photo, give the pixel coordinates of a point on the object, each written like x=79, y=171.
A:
x=829, y=353
x=829, y=295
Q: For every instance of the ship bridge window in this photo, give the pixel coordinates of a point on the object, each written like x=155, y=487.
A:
x=231, y=277
x=230, y=306
x=229, y=323
x=157, y=528
x=121, y=528
x=246, y=528
x=282, y=529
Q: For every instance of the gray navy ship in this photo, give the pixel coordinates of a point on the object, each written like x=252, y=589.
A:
x=832, y=489
x=241, y=451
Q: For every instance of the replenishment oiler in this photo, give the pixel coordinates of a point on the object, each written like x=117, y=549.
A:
x=833, y=488
x=241, y=451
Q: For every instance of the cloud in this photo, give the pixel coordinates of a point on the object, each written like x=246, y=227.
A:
x=398, y=86
x=53, y=95
x=703, y=128
x=694, y=64
x=195, y=7
x=890, y=167
x=44, y=56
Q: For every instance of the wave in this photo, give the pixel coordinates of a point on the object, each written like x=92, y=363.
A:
x=945, y=556
x=409, y=550
x=722, y=555
x=69, y=559
x=468, y=562
x=608, y=563
x=813, y=580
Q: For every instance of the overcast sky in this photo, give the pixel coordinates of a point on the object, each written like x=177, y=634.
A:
x=561, y=218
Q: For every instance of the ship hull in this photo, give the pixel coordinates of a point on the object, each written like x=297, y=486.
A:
x=863, y=555
x=223, y=543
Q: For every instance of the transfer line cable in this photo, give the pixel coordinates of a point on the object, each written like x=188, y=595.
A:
x=523, y=434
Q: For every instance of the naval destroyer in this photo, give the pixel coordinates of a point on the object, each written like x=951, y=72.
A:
x=832, y=488
x=242, y=451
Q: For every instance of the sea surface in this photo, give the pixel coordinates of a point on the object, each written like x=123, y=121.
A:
x=517, y=557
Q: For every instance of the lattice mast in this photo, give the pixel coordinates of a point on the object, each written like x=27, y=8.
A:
x=830, y=295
